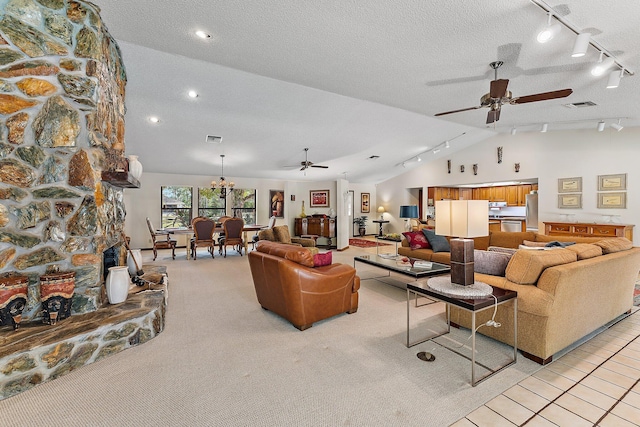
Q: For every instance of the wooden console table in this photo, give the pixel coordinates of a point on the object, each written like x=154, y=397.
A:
x=319, y=226
x=585, y=229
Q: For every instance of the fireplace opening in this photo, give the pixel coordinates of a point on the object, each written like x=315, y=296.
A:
x=110, y=258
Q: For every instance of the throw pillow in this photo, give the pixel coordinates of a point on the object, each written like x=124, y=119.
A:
x=416, y=240
x=556, y=244
x=267, y=235
x=492, y=263
x=614, y=244
x=320, y=260
x=281, y=233
x=437, y=243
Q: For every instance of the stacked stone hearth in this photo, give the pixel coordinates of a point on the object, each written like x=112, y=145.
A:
x=62, y=84
x=62, y=87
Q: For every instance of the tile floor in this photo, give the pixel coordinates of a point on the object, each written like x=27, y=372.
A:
x=596, y=384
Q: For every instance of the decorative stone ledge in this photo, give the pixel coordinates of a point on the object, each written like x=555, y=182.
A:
x=38, y=353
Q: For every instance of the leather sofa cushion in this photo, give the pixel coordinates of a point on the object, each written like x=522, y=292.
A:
x=526, y=267
x=614, y=244
x=490, y=262
x=585, y=250
x=281, y=233
x=297, y=254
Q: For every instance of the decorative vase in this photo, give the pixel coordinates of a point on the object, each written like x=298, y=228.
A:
x=134, y=254
x=117, y=284
x=13, y=299
x=302, y=214
x=56, y=293
x=135, y=167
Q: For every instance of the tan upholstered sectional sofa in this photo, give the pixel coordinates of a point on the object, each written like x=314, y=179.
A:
x=564, y=294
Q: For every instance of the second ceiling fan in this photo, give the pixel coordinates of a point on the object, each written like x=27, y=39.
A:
x=499, y=95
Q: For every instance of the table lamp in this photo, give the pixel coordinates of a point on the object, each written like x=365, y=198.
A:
x=408, y=212
x=381, y=212
x=462, y=219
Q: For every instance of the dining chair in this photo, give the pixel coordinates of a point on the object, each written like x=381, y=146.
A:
x=220, y=224
x=203, y=230
x=165, y=243
x=232, y=235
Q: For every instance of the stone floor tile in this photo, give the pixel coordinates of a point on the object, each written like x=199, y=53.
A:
x=526, y=398
x=566, y=371
x=593, y=396
x=541, y=388
x=603, y=386
x=509, y=409
x=614, y=377
x=578, y=406
x=556, y=379
x=623, y=369
x=562, y=417
x=577, y=363
x=627, y=412
x=612, y=420
x=485, y=417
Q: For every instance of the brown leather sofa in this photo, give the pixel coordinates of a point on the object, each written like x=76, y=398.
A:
x=287, y=284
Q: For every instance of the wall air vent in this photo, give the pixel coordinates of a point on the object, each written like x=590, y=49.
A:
x=213, y=139
x=580, y=104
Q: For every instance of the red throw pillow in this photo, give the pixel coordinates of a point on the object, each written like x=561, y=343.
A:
x=320, y=260
x=417, y=240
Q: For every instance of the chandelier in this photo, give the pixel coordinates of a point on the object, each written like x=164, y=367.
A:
x=223, y=184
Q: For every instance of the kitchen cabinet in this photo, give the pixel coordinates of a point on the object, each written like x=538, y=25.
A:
x=465, y=194
x=523, y=190
x=513, y=198
x=498, y=194
x=588, y=230
x=445, y=193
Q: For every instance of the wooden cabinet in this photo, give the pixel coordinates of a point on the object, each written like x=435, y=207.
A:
x=498, y=194
x=476, y=194
x=465, y=194
x=588, y=230
x=319, y=226
x=513, y=196
x=523, y=190
x=445, y=193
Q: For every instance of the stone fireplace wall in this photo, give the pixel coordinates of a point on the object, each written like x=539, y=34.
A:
x=62, y=88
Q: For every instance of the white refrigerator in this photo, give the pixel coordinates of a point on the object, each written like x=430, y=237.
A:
x=532, y=211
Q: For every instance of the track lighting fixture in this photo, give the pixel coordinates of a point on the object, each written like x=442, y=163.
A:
x=581, y=45
x=617, y=126
x=436, y=151
x=549, y=32
x=602, y=65
x=545, y=126
x=614, y=79
x=419, y=158
x=513, y=130
x=600, y=126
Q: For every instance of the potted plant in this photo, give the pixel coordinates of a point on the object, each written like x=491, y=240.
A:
x=362, y=224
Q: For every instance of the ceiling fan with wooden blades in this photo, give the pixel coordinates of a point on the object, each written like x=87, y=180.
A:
x=307, y=164
x=499, y=95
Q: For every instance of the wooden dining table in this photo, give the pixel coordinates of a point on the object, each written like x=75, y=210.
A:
x=189, y=232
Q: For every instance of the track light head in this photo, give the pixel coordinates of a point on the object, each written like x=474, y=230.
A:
x=545, y=126
x=617, y=126
x=600, y=126
x=446, y=144
x=602, y=66
x=614, y=79
x=513, y=130
x=581, y=45
x=549, y=32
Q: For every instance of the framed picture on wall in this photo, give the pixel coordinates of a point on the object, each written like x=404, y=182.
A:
x=616, y=200
x=319, y=198
x=570, y=185
x=365, y=203
x=612, y=182
x=276, y=198
x=570, y=201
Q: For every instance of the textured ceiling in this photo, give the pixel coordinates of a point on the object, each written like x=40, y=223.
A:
x=352, y=79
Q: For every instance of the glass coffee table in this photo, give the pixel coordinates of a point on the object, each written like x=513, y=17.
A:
x=416, y=271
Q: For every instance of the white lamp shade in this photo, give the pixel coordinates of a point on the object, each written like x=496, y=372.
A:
x=462, y=218
x=581, y=45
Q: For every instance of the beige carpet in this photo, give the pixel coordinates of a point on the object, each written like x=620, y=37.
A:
x=224, y=361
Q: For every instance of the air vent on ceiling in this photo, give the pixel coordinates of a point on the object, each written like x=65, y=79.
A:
x=214, y=139
x=580, y=104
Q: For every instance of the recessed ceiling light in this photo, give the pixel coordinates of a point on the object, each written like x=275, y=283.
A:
x=212, y=139
x=193, y=94
x=154, y=119
x=203, y=35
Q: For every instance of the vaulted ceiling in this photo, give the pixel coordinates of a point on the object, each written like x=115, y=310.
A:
x=351, y=80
